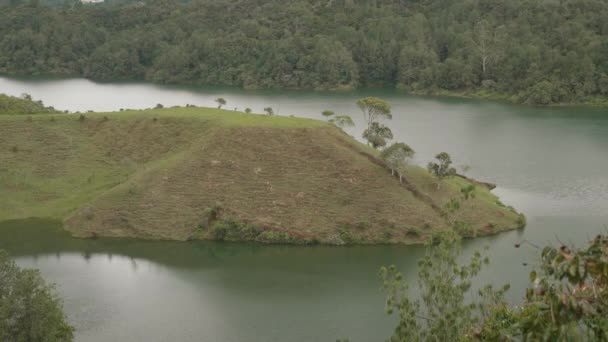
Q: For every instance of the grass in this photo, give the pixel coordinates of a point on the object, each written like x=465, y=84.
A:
x=155, y=173
x=16, y=105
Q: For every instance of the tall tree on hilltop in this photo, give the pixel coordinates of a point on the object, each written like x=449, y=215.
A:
x=373, y=109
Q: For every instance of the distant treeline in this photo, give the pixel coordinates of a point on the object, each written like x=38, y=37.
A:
x=534, y=51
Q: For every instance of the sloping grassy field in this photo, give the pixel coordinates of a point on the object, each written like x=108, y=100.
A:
x=200, y=173
x=17, y=105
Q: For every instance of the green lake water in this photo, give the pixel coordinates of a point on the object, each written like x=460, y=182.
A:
x=549, y=163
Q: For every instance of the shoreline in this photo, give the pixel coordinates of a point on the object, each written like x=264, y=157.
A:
x=471, y=94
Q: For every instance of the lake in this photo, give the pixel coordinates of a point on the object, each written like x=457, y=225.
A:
x=549, y=163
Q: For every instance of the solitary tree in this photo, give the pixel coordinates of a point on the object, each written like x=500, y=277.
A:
x=220, y=102
x=327, y=113
x=397, y=157
x=373, y=109
x=442, y=167
x=342, y=121
x=30, y=310
x=377, y=134
x=248, y=110
x=269, y=110
x=487, y=41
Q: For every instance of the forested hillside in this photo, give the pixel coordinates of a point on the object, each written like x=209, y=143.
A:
x=533, y=51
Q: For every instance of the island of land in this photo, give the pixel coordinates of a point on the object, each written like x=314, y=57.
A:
x=192, y=173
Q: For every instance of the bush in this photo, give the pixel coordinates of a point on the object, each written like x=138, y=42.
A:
x=414, y=231
x=464, y=229
x=232, y=230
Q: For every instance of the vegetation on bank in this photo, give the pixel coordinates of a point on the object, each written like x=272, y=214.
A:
x=30, y=309
x=538, y=52
x=567, y=301
x=202, y=173
x=23, y=105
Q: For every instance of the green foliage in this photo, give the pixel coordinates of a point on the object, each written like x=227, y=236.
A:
x=248, y=110
x=327, y=113
x=269, y=111
x=23, y=105
x=374, y=109
x=220, y=102
x=444, y=311
x=231, y=230
x=453, y=205
x=397, y=157
x=342, y=121
x=442, y=167
x=468, y=191
x=463, y=229
x=30, y=310
x=377, y=135
x=568, y=300
x=506, y=48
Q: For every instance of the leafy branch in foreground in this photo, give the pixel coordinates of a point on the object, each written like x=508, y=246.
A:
x=30, y=309
x=443, y=312
x=568, y=300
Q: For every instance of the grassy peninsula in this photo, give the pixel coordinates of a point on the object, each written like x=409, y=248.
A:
x=201, y=173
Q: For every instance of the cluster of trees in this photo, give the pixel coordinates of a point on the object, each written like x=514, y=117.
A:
x=30, y=309
x=23, y=105
x=398, y=155
x=532, y=51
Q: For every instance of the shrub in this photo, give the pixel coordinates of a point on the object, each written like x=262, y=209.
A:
x=521, y=221
x=414, y=231
x=347, y=237
x=81, y=118
x=464, y=229
x=228, y=229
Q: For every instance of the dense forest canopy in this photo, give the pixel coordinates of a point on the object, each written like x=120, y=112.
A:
x=536, y=51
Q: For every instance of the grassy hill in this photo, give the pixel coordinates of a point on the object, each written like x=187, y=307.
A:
x=18, y=105
x=199, y=173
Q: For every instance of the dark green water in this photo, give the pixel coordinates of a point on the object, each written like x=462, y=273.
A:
x=550, y=163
